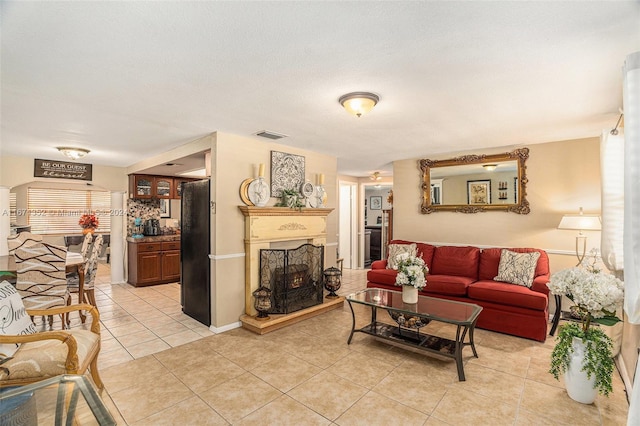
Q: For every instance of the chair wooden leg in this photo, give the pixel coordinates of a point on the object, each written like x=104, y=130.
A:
x=94, y=373
x=91, y=297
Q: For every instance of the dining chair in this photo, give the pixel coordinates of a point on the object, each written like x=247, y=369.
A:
x=86, y=245
x=90, y=271
x=23, y=239
x=41, y=280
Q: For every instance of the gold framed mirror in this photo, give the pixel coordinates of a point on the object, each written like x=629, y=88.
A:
x=476, y=183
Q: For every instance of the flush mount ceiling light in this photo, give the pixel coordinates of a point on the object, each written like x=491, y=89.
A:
x=73, y=153
x=490, y=167
x=375, y=176
x=358, y=103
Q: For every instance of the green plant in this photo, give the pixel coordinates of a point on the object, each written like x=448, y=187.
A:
x=598, y=360
x=290, y=198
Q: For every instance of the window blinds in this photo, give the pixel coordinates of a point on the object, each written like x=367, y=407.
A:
x=57, y=211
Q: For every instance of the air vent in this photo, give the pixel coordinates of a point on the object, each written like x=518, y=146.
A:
x=270, y=135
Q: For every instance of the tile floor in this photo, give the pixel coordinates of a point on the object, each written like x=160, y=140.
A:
x=160, y=367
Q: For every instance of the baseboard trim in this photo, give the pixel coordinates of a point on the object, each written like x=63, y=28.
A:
x=224, y=328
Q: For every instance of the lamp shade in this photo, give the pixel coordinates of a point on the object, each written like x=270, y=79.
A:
x=581, y=222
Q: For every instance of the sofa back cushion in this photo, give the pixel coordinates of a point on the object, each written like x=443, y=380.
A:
x=458, y=261
x=425, y=251
x=490, y=260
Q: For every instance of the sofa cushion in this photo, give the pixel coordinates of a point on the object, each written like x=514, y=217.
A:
x=517, y=268
x=507, y=294
x=382, y=276
x=448, y=284
x=490, y=260
x=424, y=250
x=397, y=249
x=458, y=261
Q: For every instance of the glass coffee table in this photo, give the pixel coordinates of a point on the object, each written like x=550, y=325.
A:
x=410, y=318
x=60, y=400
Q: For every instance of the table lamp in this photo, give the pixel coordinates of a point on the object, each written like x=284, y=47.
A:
x=581, y=222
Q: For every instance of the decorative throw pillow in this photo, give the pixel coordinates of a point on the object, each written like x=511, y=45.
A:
x=396, y=249
x=517, y=268
x=13, y=317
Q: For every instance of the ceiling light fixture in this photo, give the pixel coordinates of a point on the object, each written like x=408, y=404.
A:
x=489, y=167
x=375, y=176
x=73, y=153
x=358, y=103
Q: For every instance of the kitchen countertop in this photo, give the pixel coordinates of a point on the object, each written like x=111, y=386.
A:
x=154, y=239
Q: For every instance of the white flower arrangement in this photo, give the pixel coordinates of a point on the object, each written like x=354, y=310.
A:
x=598, y=293
x=411, y=271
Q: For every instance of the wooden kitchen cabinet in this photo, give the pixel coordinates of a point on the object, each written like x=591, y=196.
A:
x=147, y=186
x=154, y=262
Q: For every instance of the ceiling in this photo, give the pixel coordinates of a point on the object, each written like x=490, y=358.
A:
x=129, y=80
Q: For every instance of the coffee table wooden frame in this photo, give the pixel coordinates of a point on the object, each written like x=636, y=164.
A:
x=463, y=315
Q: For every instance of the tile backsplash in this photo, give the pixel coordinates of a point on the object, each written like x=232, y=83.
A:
x=145, y=209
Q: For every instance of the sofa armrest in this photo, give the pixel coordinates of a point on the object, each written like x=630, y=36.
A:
x=379, y=264
x=540, y=284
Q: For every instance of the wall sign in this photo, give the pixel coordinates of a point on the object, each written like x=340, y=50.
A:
x=62, y=170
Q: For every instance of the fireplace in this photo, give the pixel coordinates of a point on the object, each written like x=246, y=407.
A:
x=294, y=277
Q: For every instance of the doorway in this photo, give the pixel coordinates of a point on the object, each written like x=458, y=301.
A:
x=348, y=225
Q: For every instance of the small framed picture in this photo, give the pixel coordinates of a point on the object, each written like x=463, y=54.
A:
x=376, y=202
x=165, y=207
x=479, y=191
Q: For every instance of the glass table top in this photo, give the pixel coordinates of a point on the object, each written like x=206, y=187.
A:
x=66, y=399
x=442, y=310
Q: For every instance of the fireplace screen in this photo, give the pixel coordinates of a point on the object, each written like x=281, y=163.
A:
x=294, y=277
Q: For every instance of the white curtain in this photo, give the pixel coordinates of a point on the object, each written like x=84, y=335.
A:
x=631, y=93
x=612, y=172
x=631, y=105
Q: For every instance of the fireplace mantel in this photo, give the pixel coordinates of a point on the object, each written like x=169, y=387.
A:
x=266, y=225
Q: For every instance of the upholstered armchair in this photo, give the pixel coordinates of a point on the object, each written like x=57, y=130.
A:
x=50, y=353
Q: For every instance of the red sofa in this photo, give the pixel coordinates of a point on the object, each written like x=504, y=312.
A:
x=466, y=274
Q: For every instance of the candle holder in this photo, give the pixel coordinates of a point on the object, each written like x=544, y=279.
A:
x=262, y=302
x=332, y=281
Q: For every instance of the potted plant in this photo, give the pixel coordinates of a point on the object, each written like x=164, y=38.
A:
x=583, y=352
x=291, y=198
x=411, y=276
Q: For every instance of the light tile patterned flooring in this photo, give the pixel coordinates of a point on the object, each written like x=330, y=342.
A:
x=160, y=367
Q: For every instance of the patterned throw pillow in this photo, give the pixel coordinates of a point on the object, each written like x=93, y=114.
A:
x=517, y=268
x=13, y=317
x=396, y=249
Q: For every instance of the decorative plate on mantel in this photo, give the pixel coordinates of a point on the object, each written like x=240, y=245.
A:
x=244, y=191
x=259, y=192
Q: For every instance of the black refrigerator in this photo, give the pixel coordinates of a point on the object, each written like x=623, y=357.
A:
x=194, y=250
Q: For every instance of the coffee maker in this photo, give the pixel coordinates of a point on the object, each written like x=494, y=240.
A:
x=152, y=227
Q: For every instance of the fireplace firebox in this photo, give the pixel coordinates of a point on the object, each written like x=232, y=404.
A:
x=294, y=277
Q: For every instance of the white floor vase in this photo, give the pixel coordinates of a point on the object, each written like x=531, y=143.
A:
x=409, y=294
x=579, y=387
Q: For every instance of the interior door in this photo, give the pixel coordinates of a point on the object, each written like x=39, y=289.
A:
x=347, y=242
x=194, y=251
